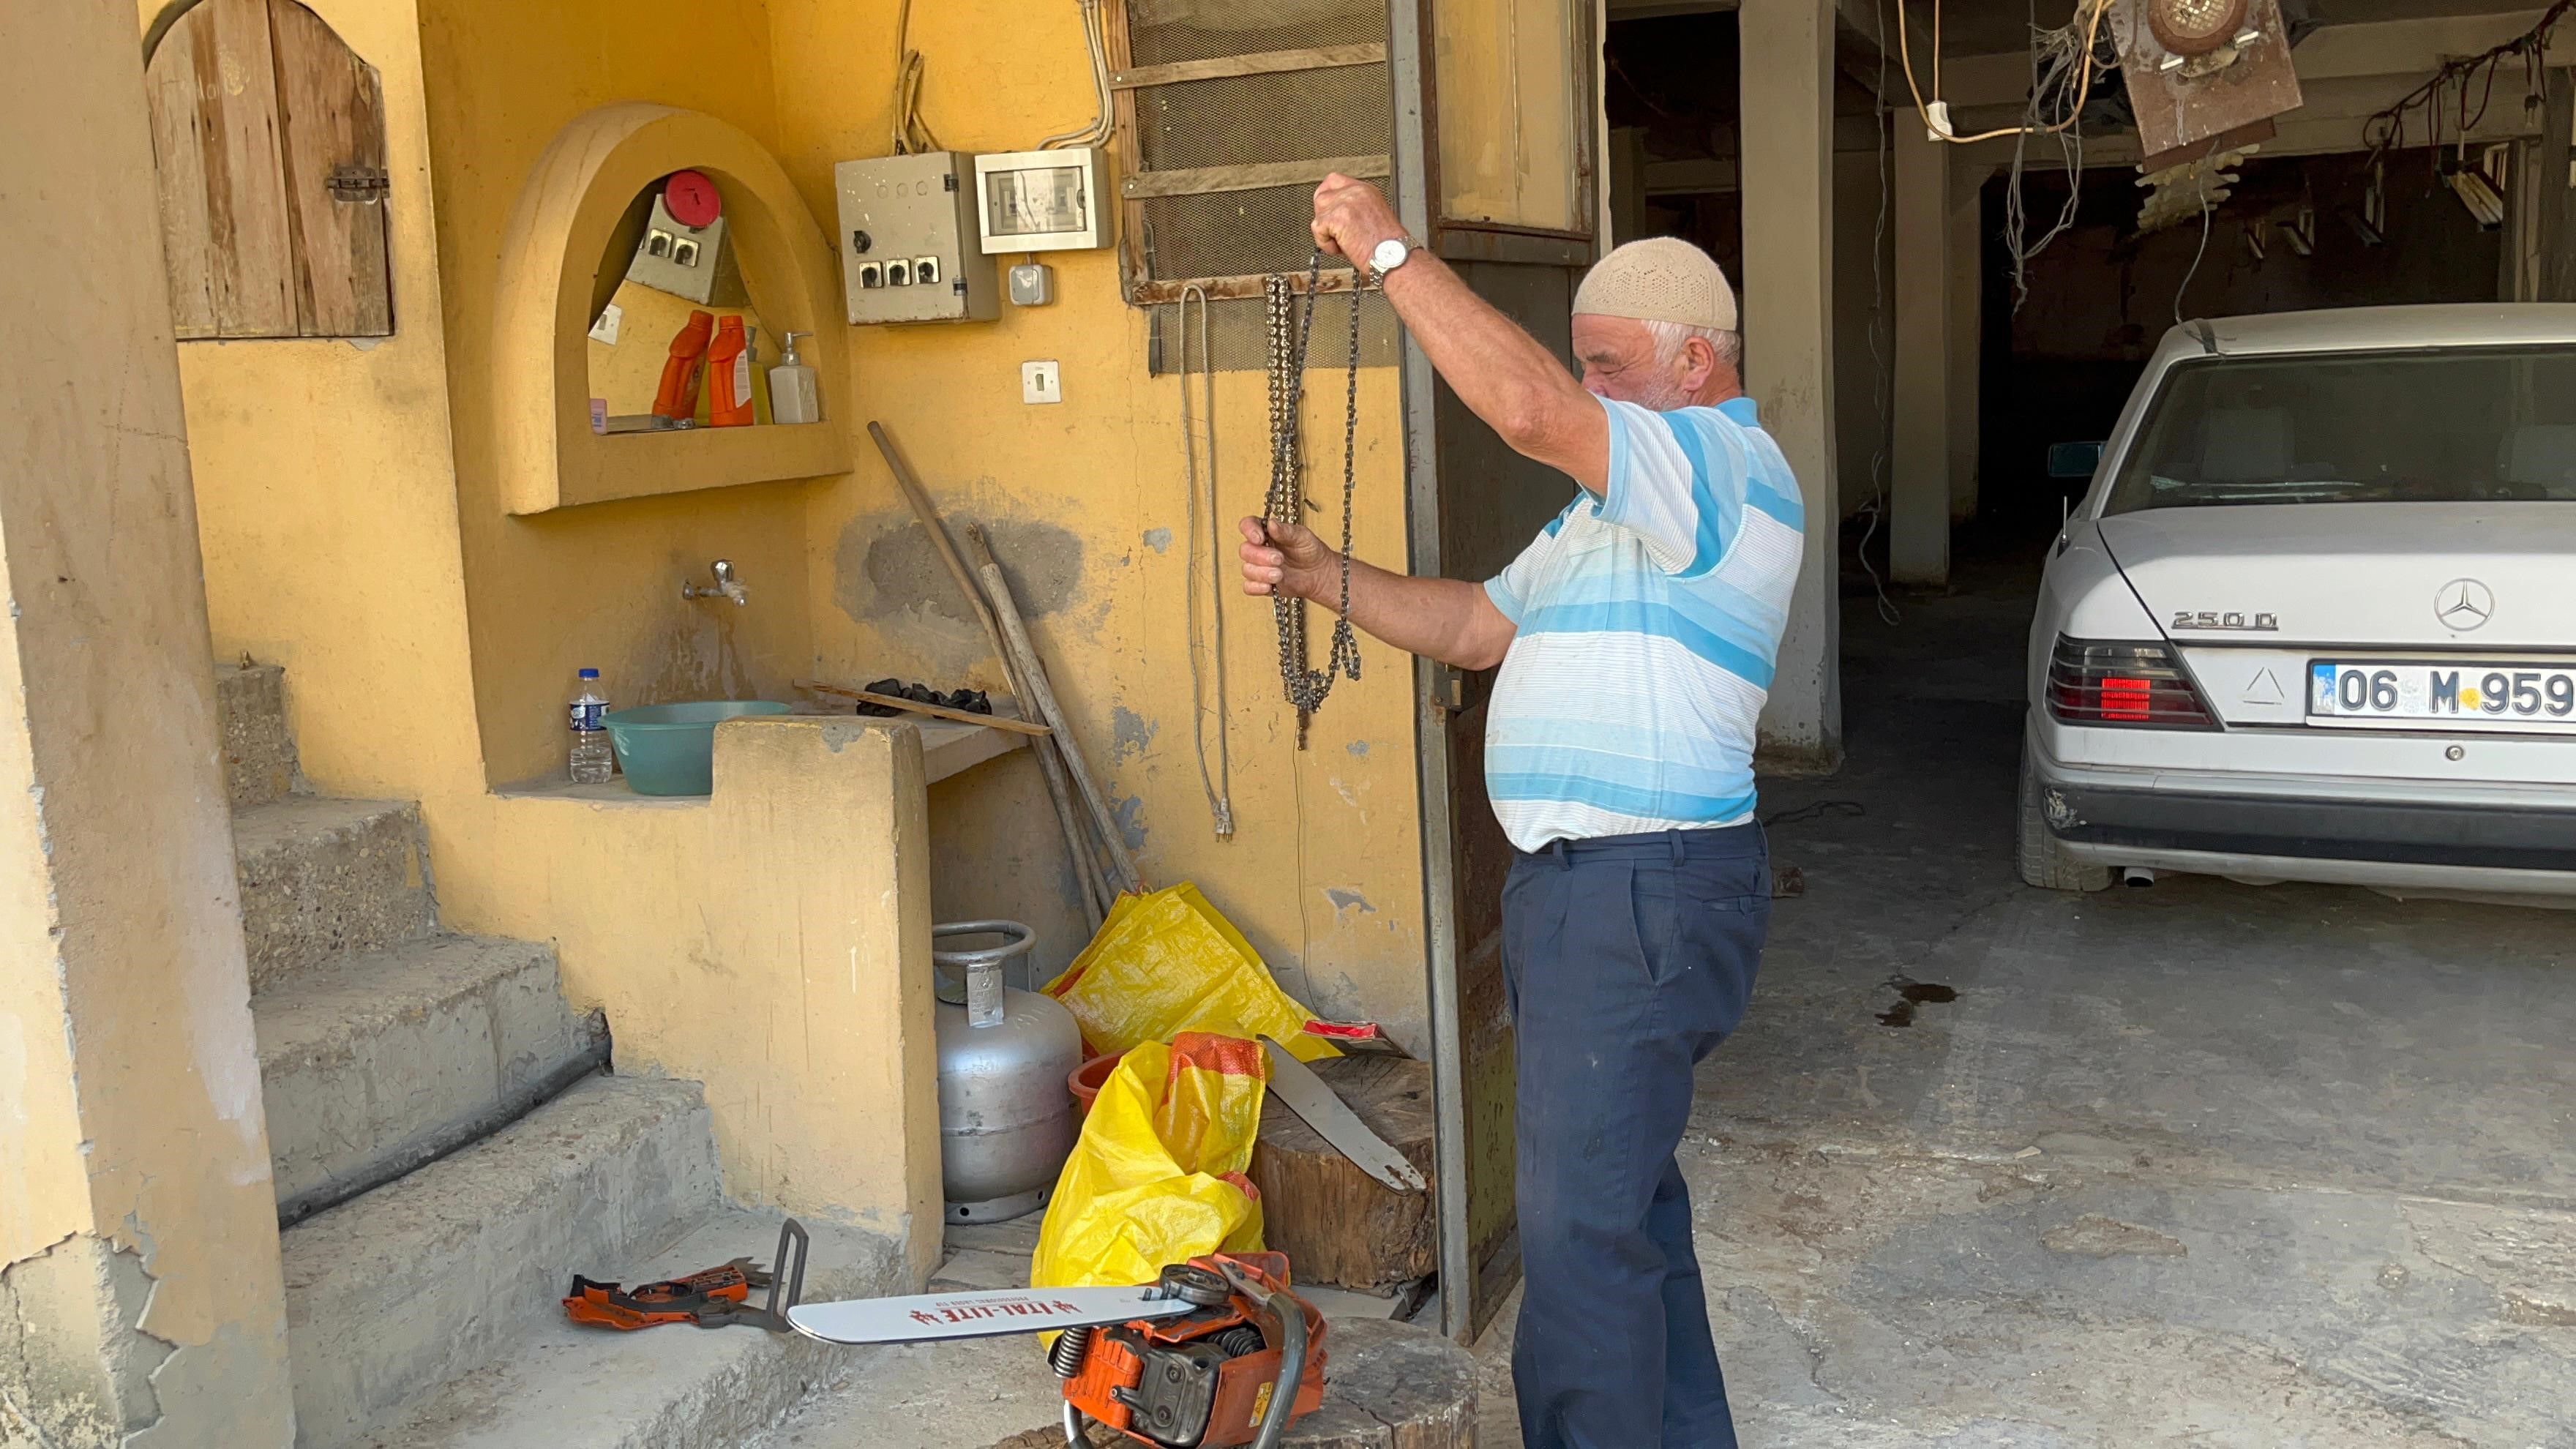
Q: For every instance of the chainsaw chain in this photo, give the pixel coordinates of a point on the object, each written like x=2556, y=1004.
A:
x=1288, y=335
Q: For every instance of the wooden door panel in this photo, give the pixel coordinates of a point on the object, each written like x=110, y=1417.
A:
x=256, y=108
x=330, y=111
x=1492, y=503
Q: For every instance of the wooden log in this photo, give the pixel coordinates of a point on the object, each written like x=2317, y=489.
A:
x=1338, y=1225
x=1096, y=896
x=1386, y=1386
x=1121, y=866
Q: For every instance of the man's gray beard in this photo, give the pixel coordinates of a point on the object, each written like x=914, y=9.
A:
x=1665, y=396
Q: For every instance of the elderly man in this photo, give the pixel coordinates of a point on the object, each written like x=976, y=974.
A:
x=1636, y=636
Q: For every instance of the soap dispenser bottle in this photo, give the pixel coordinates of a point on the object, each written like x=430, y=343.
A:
x=793, y=397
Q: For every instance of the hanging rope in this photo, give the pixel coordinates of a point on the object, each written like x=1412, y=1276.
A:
x=1289, y=334
x=1219, y=782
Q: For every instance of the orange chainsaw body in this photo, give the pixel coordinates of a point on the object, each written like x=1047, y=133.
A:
x=1184, y=1353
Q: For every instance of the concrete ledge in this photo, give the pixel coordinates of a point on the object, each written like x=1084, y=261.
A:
x=320, y=877
x=563, y=1387
x=363, y=1056
x=259, y=750
x=434, y=1275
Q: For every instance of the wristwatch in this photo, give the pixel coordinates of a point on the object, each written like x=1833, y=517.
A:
x=1388, y=255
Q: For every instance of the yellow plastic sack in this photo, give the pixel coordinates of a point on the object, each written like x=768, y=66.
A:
x=1167, y=962
x=1158, y=1175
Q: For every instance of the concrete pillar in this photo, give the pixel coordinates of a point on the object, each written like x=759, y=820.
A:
x=1967, y=253
x=139, y=1270
x=1918, y=530
x=1787, y=144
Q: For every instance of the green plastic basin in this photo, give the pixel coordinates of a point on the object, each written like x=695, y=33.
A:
x=670, y=749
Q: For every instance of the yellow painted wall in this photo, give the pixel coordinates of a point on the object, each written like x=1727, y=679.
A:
x=326, y=494
x=139, y=1265
x=1087, y=505
x=771, y=941
x=596, y=585
x=356, y=531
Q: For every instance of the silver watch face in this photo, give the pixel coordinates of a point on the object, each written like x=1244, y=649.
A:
x=1389, y=254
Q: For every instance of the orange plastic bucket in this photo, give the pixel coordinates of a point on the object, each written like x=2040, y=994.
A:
x=1087, y=1079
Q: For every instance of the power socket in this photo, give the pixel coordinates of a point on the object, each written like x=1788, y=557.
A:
x=1040, y=382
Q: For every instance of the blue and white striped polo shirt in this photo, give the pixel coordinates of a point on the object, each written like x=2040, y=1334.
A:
x=1649, y=620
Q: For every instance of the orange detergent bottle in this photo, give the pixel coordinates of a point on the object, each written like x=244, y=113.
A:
x=729, y=377
x=678, y=395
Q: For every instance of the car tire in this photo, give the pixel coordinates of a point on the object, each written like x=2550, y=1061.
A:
x=2044, y=862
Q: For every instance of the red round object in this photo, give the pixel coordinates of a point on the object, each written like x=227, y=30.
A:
x=691, y=198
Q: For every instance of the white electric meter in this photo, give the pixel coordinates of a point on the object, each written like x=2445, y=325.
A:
x=1043, y=201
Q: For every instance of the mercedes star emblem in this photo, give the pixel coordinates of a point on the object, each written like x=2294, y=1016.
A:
x=2463, y=604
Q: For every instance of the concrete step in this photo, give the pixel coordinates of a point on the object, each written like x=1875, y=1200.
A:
x=434, y=1275
x=259, y=750
x=562, y=1387
x=320, y=877
x=365, y=1057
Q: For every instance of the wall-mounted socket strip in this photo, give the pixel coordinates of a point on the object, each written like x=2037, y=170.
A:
x=907, y=240
x=1040, y=382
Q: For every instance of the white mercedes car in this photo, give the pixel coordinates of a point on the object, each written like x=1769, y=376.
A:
x=2315, y=618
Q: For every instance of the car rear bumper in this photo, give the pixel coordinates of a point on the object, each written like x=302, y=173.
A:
x=2270, y=826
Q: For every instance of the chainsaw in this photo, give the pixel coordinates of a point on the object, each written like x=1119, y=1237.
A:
x=1215, y=1353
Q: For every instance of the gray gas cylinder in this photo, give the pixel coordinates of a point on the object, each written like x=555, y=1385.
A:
x=1006, y=1118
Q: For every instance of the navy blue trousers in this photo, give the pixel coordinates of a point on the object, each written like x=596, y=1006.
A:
x=1626, y=959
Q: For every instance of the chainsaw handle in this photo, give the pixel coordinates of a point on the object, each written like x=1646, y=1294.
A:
x=1292, y=1352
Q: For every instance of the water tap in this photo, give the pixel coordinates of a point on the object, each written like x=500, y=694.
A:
x=725, y=586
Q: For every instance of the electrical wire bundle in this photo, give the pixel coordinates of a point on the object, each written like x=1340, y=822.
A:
x=2385, y=131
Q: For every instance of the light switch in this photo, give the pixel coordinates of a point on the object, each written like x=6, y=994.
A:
x=605, y=329
x=1039, y=382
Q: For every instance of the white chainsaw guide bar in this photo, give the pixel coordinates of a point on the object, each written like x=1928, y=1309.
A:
x=982, y=1313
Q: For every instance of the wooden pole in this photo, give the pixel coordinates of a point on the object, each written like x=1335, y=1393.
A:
x=1122, y=866
x=1096, y=896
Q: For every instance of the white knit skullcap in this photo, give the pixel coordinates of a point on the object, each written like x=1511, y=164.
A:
x=1659, y=279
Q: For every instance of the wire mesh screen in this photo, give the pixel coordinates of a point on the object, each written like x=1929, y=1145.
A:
x=1238, y=335
x=1221, y=164
x=1294, y=115
x=1164, y=31
x=1231, y=233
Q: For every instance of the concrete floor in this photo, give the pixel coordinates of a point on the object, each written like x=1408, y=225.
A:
x=2196, y=1164
x=2201, y=1164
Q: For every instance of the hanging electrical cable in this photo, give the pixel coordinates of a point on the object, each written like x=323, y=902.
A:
x=1219, y=782
x=911, y=133
x=1095, y=38
x=2206, y=207
x=2385, y=129
x=1882, y=382
x=1935, y=114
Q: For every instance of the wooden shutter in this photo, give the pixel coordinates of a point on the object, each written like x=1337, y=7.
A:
x=269, y=135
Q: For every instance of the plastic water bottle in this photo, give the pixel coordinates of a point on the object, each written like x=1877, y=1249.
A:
x=593, y=762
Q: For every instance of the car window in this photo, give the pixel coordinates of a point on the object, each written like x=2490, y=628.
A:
x=2450, y=426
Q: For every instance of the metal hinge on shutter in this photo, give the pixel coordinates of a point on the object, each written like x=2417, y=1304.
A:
x=358, y=184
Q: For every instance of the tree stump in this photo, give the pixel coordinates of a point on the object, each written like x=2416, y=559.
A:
x=1386, y=1386
x=1338, y=1225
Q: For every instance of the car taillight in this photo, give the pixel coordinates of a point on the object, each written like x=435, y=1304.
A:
x=2143, y=685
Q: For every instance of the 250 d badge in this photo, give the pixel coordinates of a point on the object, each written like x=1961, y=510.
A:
x=2247, y=623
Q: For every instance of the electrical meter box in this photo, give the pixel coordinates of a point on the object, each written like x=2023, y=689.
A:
x=1044, y=201
x=907, y=240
